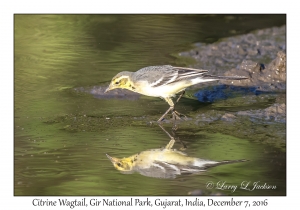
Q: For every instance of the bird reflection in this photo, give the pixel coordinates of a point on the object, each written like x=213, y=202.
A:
x=165, y=162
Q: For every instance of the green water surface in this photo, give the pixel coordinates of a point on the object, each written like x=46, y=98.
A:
x=61, y=136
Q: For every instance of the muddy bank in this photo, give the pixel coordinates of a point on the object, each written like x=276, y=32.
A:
x=261, y=57
x=252, y=109
x=243, y=53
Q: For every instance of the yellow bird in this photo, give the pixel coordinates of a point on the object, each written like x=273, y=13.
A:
x=164, y=163
x=164, y=81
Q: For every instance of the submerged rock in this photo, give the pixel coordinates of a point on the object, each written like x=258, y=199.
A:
x=276, y=112
x=99, y=92
x=228, y=117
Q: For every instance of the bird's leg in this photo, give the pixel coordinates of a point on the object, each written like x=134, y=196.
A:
x=177, y=114
x=182, y=93
x=171, y=137
x=174, y=129
x=172, y=141
x=170, y=102
x=163, y=116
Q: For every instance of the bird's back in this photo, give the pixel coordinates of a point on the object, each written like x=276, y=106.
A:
x=151, y=74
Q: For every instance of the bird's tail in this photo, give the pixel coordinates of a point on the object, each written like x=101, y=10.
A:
x=208, y=76
x=202, y=165
x=223, y=162
x=231, y=161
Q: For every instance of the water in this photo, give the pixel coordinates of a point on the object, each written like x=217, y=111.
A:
x=62, y=135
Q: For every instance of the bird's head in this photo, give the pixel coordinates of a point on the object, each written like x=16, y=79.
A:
x=121, y=80
x=123, y=165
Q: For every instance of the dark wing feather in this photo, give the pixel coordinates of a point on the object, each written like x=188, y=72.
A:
x=174, y=74
x=188, y=73
x=164, y=75
x=178, y=74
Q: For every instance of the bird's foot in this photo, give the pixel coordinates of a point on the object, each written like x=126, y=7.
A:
x=176, y=115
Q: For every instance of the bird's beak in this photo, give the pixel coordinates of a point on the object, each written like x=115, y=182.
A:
x=112, y=159
x=107, y=89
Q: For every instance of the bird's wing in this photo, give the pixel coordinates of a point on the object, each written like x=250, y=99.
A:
x=160, y=169
x=164, y=75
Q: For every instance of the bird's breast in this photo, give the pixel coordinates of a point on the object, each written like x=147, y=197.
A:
x=163, y=91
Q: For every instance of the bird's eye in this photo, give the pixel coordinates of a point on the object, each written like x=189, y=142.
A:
x=119, y=164
x=117, y=83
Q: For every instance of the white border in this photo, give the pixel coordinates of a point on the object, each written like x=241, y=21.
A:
x=8, y=8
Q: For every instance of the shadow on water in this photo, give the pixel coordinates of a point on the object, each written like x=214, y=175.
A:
x=62, y=134
x=221, y=92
